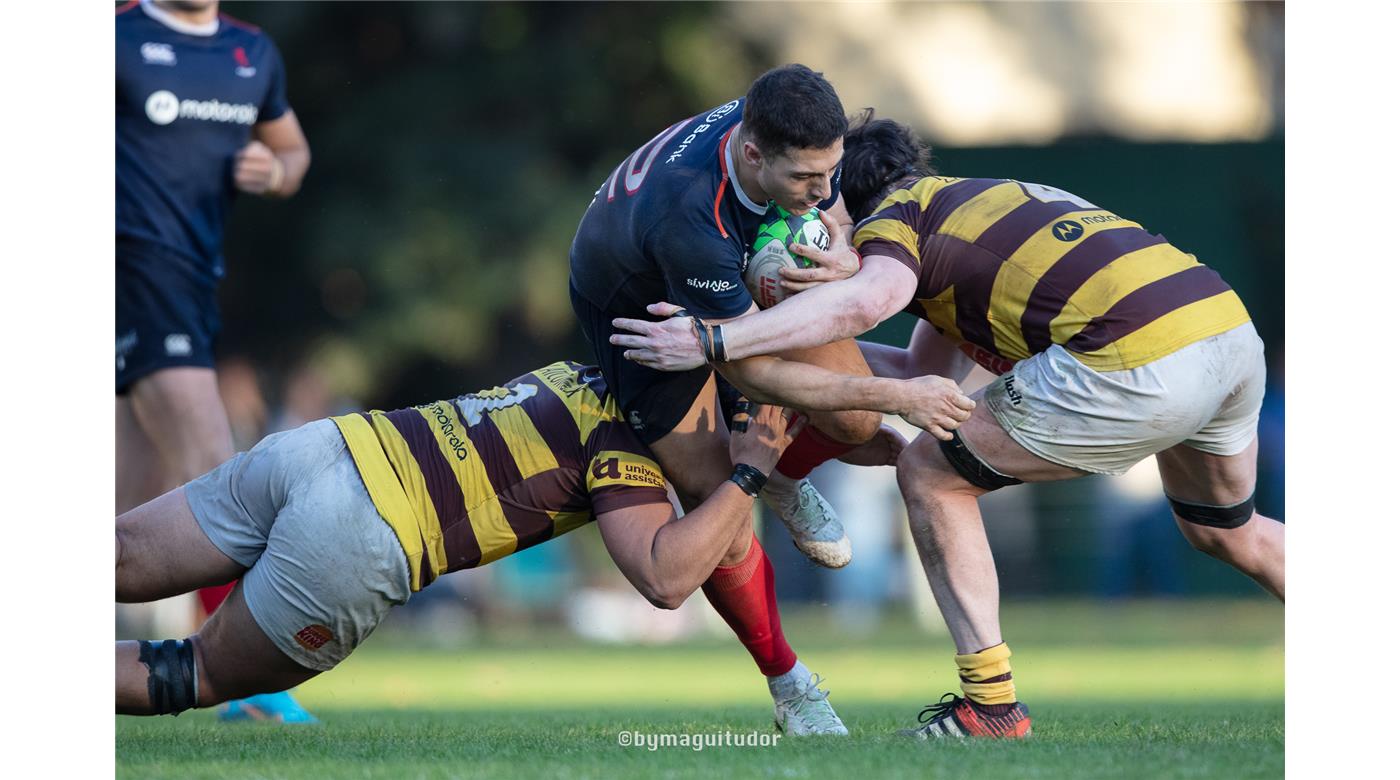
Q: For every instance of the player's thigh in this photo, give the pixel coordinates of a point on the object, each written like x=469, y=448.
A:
x=986, y=438
x=141, y=474
x=333, y=568
x=1198, y=477
x=237, y=659
x=180, y=410
x=694, y=455
x=162, y=551
x=842, y=357
x=927, y=473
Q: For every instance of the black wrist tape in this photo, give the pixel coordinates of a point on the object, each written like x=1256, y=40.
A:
x=749, y=479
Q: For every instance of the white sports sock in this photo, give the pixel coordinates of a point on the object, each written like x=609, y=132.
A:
x=780, y=485
x=786, y=686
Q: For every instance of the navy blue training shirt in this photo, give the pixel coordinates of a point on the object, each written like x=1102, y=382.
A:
x=672, y=224
x=187, y=100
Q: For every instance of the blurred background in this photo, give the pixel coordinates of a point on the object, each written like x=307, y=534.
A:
x=455, y=147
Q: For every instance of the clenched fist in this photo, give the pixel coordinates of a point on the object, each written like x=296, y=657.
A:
x=256, y=170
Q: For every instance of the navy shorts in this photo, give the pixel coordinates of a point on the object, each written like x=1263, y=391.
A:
x=166, y=316
x=652, y=401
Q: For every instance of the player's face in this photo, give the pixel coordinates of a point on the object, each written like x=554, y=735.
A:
x=799, y=179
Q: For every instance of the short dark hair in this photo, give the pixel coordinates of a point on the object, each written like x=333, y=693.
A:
x=879, y=154
x=793, y=107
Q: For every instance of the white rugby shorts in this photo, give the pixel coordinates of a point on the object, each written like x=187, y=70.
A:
x=1205, y=395
x=324, y=567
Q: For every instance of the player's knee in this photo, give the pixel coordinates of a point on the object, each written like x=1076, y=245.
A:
x=738, y=549
x=921, y=471
x=172, y=680
x=1218, y=531
x=852, y=427
x=122, y=571
x=1231, y=545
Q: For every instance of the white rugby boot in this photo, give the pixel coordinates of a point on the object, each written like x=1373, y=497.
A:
x=815, y=528
x=800, y=708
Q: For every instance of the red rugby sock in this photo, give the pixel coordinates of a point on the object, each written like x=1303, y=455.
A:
x=210, y=598
x=810, y=449
x=743, y=595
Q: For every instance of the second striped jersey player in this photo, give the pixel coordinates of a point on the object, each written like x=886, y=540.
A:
x=334, y=523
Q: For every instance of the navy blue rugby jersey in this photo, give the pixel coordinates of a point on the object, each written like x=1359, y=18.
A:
x=672, y=224
x=187, y=100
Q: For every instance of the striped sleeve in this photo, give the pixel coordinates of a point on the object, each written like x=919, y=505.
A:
x=891, y=232
x=621, y=470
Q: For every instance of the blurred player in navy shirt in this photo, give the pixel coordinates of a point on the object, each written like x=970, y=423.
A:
x=202, y=114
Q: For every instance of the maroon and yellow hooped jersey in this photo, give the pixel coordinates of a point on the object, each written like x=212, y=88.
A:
x=467, y=481
x=1006, y=269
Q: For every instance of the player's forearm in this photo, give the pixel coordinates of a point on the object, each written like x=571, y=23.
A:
x=804, y=386
x=295, y=163
x=685, y=552
x=827, y=313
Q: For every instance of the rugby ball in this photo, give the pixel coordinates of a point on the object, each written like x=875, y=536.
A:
x=780, y=228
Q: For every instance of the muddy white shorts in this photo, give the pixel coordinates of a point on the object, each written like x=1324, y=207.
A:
x=1205, y=395
x=324, y=568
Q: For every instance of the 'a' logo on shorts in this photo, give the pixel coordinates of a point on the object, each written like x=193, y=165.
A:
x=314, y=636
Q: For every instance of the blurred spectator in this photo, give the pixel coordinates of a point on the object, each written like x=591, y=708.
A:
x=243, y=399
x=1137, y=545
x=307, y=396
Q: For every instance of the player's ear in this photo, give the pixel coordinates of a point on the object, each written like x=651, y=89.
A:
x=752, y=154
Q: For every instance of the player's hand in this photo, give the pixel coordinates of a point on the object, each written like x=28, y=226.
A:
x=256, y=170
x=935, y=404
x=759, y=433
x=668, y=345
x=838, y=262
x=882, y=450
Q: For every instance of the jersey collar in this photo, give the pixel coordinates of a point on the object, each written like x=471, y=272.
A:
x=178, y=25
x=727, y=165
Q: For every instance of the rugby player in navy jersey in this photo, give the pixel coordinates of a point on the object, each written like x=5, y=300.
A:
x=1111, y=344
x=330, y=525
x=675, y=221
x=202, y=114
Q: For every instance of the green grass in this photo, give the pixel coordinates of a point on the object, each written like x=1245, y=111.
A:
x=1148, y=690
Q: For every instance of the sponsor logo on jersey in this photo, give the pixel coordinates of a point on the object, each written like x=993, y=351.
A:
x=178, y=345
x=988, y=360
x=163, y=107
x=157, y=53
x=1067, y=230
x=713, y=117
x=563, y=378
x=713, y=285
x=448, y=428
x=1096, y=219
x=721, y=111
x=314, y=637
x=244, y=67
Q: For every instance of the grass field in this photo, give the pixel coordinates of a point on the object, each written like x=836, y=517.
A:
x=1130, y=691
